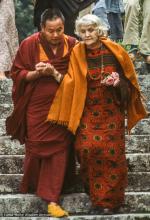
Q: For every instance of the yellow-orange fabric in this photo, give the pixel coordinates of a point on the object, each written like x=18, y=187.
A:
x=68, y=104
x=43, y=56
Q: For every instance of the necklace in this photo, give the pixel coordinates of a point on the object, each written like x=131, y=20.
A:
x=100, y=70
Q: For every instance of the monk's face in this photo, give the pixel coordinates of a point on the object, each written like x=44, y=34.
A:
x=53, y=31
x=90, y=35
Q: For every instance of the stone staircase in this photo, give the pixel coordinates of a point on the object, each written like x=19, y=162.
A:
x=27, y=207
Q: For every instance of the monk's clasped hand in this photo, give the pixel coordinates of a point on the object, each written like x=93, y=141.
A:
x=45, y=69
x=48, y=70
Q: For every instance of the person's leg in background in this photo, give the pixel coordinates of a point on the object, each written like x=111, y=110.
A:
x=144, y=45
x=116, y=28
x=131, y=26
x=99, y=10
x=8, y=37
x=114, y=9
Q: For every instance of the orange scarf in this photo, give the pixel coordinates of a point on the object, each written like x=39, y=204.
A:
x=68, y=104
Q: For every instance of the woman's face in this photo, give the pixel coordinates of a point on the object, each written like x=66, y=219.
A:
x=90, y=35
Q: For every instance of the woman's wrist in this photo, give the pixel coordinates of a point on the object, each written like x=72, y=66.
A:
x=58, y=76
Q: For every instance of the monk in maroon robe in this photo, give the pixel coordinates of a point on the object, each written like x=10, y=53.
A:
x=46, y=145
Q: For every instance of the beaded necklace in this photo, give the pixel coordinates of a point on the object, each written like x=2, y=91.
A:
x=100, y=70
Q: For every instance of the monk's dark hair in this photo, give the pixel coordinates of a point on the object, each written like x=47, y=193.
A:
x=51, y=14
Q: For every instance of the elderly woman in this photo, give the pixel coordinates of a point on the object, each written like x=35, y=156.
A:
x=8, y=36
x=91, y=101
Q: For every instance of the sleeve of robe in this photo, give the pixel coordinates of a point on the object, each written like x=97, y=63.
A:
x=25, y=61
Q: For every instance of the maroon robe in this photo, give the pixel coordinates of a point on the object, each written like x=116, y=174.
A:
x=47, y=145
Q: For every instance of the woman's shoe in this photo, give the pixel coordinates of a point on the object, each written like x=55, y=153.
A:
x=55, y=210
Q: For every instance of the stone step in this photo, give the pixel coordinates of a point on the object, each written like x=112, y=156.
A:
x=75, y=203
x=9, y=183
x=12, y=164
x=141, y=67
x=5, y=98
x=134, y=216
x=5, y=110
x=134, y=144
x=142, y=127
x=80, y=217
x=144, y=81
x=6, y=86
x=138, y=181
x=13, y=147
x=138, y=144
x=148, y=106
x=138, y=162
x=2, y=127
x=146, y=94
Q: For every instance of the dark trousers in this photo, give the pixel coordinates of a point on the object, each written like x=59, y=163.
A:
x=116, y=28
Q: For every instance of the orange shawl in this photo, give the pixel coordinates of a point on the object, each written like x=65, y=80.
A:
x=68, y=104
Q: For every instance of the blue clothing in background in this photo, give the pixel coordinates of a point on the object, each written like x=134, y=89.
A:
x=99, y=9
x=115, y=6
x=109, y=11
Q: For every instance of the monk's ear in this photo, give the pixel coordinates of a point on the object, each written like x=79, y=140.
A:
x=42, y=27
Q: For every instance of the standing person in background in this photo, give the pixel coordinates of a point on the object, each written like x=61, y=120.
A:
x=109, y=11
x=114, y=10
x=47, y=146
x=131, y=29
x=8, y=36
x=99, y=10
x=100, y=86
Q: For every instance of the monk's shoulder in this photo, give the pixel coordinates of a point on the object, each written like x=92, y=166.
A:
x=71, y=40
x=30, y=40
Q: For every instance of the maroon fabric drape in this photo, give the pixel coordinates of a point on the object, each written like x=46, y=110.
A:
x=26, y=59
x=47, y=146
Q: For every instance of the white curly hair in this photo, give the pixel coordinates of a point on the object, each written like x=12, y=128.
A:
x=89, y=19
